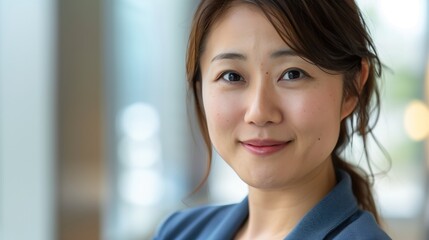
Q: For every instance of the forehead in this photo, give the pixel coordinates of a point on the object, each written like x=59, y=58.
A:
x=241, y=13
x=242, y=25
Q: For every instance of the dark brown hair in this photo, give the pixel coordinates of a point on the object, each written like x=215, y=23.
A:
x=331, y=34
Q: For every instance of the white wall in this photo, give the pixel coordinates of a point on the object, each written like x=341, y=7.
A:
x=27, y=124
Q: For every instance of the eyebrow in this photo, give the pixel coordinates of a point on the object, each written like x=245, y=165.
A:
x=238, y=56
x=223, y=56
x=283, y=53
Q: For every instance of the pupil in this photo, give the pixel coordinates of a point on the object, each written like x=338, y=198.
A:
x=293, y=74
x=233, y=77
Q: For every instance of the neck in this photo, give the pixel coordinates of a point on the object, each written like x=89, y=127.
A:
x=273, y=213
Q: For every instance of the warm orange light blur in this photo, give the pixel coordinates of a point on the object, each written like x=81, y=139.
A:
x=417, y=120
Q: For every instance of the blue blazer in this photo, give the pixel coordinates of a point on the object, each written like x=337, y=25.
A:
x=337, y=216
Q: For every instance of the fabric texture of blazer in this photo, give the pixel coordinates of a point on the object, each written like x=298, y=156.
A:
x=337, y=216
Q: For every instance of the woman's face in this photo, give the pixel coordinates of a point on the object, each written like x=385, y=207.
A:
x=272, y=116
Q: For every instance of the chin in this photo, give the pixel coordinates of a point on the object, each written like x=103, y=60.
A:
x=265, y=180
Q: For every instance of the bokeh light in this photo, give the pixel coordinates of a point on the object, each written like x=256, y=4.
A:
x=143, y=154
x=140, y=121
x=141, y=187
x=417, y=120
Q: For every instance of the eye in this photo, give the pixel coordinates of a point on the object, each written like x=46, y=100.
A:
x=293, y=74
x=231, y=77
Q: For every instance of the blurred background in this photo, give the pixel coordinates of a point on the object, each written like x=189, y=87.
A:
x=96, y=140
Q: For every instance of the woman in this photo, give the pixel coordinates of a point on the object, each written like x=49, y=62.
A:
x=279, y=87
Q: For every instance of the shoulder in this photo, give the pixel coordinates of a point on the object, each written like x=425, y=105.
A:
x=192, y=223
x=362, y=227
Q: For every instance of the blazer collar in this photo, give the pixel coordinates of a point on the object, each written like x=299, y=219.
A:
x=327, y=215
x=232, y=222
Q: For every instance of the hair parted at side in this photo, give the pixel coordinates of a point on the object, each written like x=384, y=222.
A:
x=331, y=34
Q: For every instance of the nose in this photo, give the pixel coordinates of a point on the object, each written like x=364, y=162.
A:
x=263, y=106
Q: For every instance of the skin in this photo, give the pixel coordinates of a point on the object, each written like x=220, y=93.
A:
x=255, y=88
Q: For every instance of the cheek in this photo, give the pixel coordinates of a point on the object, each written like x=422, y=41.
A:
x=221, y=113
x=322, y=107
x=318, y=115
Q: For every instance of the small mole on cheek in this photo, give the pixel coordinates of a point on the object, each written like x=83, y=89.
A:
x=318, y=139
x=266, y=73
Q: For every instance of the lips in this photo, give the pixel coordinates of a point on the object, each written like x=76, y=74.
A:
x=263, y=147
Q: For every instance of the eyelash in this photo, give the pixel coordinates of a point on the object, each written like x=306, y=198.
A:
x=301, y=72
x=223, y=74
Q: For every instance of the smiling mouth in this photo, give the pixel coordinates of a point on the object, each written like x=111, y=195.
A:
x=264, y=147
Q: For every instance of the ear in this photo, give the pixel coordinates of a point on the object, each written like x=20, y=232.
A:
x=349, y=101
